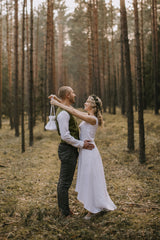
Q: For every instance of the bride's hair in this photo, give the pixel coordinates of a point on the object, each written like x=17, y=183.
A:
x=96, y=103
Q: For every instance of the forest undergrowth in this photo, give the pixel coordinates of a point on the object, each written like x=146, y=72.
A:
x=28, y=181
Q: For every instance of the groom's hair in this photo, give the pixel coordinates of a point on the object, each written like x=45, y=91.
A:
x=62, y=92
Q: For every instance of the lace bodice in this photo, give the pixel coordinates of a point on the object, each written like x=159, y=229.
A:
x=88, y=131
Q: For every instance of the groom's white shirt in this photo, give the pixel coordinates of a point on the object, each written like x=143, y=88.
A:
x=63, y=122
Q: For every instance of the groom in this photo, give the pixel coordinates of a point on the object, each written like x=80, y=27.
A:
x=68, y=147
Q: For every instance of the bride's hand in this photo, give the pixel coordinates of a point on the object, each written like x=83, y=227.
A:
x=52, y=96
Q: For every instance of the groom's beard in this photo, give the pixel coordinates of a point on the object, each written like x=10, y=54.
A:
x=72, y=100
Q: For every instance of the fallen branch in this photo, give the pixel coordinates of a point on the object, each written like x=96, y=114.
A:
x=141, y=205
x=2, y=166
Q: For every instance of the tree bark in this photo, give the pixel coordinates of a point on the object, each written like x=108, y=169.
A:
x=139, y=88
x=27, y=62
x=9, y=42
x=155, y=54
x=134, y=74
x=50, y=49
x=36, y=70
x=130, y=116
x=142, y=57
x=122, y=85
x=90, y=56
x=103, y=78
x=31, y=79
x=96, y=49
x=113, y=66
x=22, y=86
x=60, y=48
x=102, y=50
x=93, y=14
x=46, y=72
x=53, y=68
x=108, y=68
x=1, y=65
x=16, y=80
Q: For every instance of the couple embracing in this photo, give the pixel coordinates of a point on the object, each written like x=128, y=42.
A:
x=90, y=185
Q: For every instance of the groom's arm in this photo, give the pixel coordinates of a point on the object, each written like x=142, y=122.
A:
x=63, y=123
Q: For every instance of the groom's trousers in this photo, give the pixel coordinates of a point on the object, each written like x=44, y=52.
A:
x=68, y=156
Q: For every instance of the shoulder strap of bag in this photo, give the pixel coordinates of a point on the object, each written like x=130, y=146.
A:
x=52, y=110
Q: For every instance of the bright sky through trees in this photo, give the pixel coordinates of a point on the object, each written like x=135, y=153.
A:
x=71, y=4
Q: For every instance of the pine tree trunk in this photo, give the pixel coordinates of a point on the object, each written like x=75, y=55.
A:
x=113, y=66
x=65, y=77
x=122, y=86
x=22, y=86
x=139, y=88
x=36, y=70
x=103, y=81
x=142, y=58
x=134, y=64
x=102, y=52
x=50, y=49
x=117, y=78
x=60, y=50
x=130, y=117
x=41, y=88
x=108, y=77
x=93, y=16
x=89, y=90
x=45, y=78
x=31, y=79
x=28, y=62
x=0, y=65
x=108, y=70
x=16, y=80
x=90, y=45
x=96, y=49
x=155, y=54
x=54, y=87
x=9, y=41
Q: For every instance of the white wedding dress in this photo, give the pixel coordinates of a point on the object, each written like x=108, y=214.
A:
x=91, y=185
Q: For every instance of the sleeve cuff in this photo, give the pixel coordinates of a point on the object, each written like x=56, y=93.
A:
x=81, y=144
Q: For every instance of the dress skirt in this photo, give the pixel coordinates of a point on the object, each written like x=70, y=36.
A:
x=91, y=184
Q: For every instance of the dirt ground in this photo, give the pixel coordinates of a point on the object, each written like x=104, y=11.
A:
x=28, y=181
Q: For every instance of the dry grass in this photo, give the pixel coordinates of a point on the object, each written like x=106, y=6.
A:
x=28, y=186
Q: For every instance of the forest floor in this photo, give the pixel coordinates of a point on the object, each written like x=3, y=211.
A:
x=28, y=181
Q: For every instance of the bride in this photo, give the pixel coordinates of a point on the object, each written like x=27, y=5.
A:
x=90, y=184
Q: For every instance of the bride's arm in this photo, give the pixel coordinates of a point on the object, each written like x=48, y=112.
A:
x=84, y=116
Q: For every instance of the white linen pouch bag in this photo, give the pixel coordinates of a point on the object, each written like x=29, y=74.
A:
x=51, y=125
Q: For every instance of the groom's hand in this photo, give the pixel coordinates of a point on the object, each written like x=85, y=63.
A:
x=88, y=145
